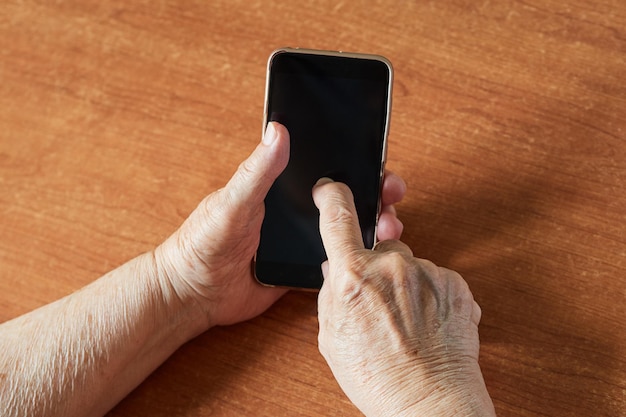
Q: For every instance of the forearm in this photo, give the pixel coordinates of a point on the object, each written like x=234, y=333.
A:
x=82, y=354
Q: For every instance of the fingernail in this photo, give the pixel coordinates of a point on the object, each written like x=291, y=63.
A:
x=270, y=134
x=323, y=180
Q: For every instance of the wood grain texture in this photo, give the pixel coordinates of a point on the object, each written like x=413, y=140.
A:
x=509, y=125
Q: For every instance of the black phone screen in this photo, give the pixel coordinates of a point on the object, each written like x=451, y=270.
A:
x=336, y=111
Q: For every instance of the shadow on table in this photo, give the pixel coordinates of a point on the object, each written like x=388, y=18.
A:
x=543, y=349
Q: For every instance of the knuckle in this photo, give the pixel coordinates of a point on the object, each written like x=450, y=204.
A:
x=394, y=275
x=337, y=193
x=247, y=168
x=390, y=245
x=428, y=267
x=449, y=288
x=248, y=176
x=461, y=298
x=339, y=213
x=393, y=257
x=350, y=287
x=213, y=210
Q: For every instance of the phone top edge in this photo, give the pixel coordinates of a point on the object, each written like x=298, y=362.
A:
x=323, y=52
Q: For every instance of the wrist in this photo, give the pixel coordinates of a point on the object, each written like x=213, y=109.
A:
x=459, y=394
x=447, y=389
x=185, y=313
x=466, y=402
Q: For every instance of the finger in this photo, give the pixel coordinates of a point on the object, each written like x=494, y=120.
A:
x=389, y=226
x=394, y=189
x=254, y=177
x=339, y=223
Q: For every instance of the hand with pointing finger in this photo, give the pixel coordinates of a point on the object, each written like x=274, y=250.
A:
x=208, y=260
x=399, y=333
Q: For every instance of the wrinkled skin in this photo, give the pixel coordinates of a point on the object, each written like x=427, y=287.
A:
x=399, y=333
x=209, y=257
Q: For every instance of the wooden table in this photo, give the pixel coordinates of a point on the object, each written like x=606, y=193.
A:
x=509, y=126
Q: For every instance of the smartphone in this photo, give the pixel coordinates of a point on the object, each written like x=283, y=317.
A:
x=336, y=106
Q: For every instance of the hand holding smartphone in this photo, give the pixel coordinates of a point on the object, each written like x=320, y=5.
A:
x=336, y=108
